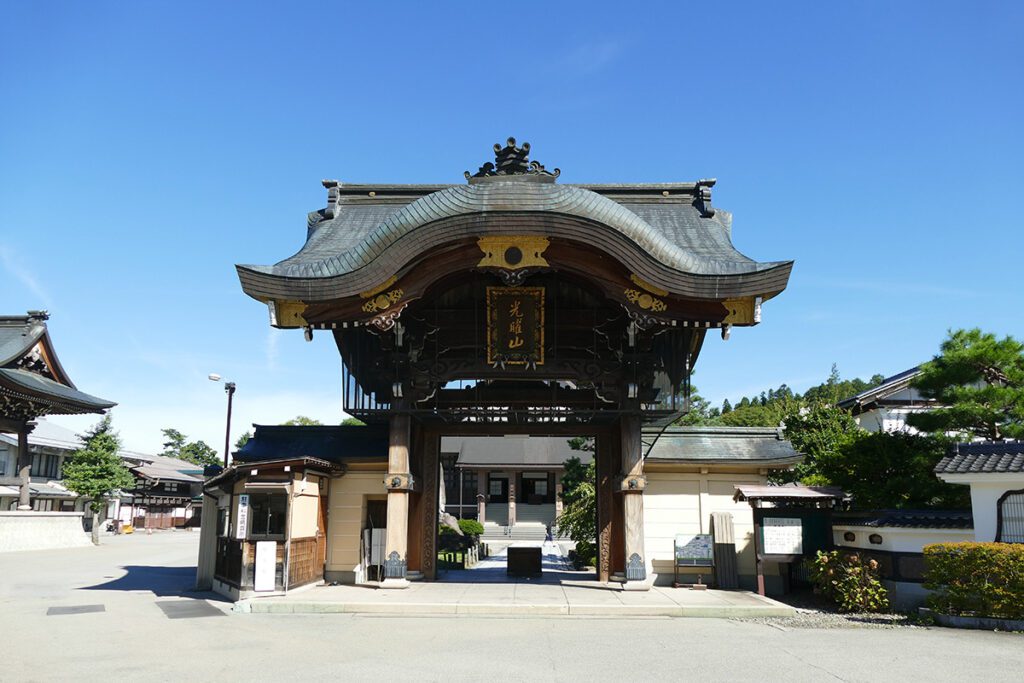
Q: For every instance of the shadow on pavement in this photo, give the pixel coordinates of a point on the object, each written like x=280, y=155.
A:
x=161, y=581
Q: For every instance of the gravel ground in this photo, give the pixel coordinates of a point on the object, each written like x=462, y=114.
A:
x=811, y=618
x=812, y=612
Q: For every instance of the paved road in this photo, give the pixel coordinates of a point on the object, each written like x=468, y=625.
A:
x=152, y=629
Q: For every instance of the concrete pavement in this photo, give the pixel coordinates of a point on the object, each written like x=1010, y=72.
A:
x=136, y=637
x=487, y=590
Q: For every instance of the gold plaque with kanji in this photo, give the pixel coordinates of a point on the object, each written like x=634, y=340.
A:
x=515, y=325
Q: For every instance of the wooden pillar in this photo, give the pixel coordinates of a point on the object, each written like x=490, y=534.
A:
x=429, y=445
x=513, y=475
x=418, y=505
x=618, y=542
x=24, y=466
x=481, y=496
x=399, y=483
x=605, y=498
x=558, y=493
x=632, y=487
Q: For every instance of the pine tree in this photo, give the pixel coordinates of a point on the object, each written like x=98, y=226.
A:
x=97, y=471
x=977, y=381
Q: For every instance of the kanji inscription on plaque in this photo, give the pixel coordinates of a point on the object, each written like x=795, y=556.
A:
x=515, y=325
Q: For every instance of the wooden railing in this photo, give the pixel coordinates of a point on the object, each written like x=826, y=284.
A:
x=304, y=562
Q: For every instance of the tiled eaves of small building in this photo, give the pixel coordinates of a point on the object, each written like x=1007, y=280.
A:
x=988, y=457
x=343, y=445
x=743, y=447
x=906, y=519
x=668, y=240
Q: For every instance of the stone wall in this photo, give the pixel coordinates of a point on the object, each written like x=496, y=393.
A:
x=41, y=531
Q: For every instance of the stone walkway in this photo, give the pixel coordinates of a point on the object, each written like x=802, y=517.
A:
x=486, y=590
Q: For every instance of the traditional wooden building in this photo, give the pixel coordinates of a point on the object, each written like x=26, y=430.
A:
x=33, y=384
x=511, y=484
x=514, y=304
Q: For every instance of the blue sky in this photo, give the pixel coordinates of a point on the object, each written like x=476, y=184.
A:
x=145, y=148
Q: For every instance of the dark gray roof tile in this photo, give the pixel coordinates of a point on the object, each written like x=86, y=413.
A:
x=987, y=457
x=756, y=445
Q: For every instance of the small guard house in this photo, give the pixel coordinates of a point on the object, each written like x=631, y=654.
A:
x=509, y=304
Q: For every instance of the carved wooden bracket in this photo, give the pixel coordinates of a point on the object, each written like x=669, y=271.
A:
x=635, y=483
x=401, y=482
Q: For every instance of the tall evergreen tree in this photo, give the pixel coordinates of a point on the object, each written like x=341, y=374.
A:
x=977, y=381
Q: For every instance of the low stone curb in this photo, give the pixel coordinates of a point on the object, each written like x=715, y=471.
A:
x=480, y=609
x=984, y=623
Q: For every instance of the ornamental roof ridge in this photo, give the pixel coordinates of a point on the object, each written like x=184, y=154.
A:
x=512, y=160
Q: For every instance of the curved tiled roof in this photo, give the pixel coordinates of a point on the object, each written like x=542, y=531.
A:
x=988, y=457
x=512, y=196
x=643, y=224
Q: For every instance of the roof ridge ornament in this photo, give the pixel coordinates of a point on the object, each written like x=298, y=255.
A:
x=703, y=200
x=512, y=160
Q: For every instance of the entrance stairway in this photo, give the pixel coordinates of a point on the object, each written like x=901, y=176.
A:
x=520, y=531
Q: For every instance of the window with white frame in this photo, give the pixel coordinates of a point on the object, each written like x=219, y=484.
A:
x=1011, y=517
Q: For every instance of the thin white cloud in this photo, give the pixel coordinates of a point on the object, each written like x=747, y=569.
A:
x=591, y=57
x=14, y=265
x=895, y=288
x=273, y=338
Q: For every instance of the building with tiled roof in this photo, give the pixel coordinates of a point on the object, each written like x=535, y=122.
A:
x=995, y=472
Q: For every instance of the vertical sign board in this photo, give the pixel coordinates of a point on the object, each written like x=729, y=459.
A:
x=242, y=525
x=266, y=566
x=515, y=325
x=782, y=536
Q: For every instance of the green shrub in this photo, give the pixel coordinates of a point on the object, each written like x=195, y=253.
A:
x=976, y=579
x=444, y=530
x=848, y=581
x=471, y=527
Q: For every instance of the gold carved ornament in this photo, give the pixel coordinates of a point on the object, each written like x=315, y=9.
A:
x=645, y=301
x=513, y=251
x=380, y=300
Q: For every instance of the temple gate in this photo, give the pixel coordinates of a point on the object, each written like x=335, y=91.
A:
x=513, y=304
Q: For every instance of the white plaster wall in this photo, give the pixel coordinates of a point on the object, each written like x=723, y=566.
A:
x=346, y=512
x=985, y=497
x=887, y=420
x=305, y=507
x=682, y=503
x=897, y=539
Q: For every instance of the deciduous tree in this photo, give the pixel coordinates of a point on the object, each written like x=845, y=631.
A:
x=97, y=471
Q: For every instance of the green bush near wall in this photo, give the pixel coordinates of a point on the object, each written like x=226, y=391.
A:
x=848, y=580
x=976, y=579
x=471, y=527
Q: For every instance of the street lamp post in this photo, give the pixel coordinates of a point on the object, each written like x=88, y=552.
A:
x=229, y=389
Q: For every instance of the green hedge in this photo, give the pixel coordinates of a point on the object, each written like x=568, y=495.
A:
x=976, y=579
